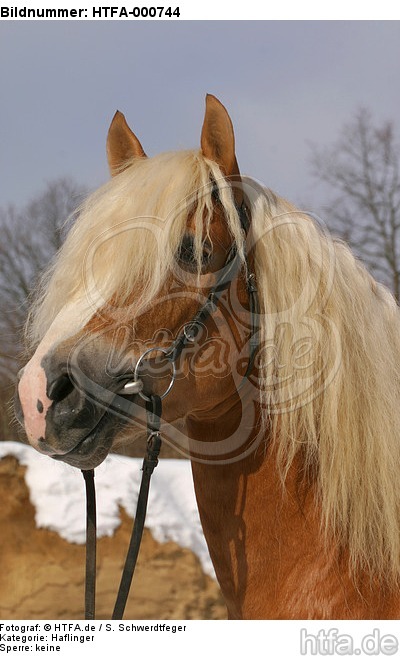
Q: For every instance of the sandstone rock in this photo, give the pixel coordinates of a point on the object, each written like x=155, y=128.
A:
x=42, y=575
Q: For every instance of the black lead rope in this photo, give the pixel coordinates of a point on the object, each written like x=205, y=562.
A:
x=90, y=579
x=153, y=409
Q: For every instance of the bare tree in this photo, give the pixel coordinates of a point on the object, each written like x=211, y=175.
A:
x=29, y=239
x=363, y=167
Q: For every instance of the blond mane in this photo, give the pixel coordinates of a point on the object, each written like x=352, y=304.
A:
x=329, y=365
x=340, y=408
x=128, y=232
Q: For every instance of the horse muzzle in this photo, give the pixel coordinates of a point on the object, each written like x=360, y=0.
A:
x=69, y=416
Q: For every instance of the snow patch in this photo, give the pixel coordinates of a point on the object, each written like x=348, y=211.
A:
x=57, y=492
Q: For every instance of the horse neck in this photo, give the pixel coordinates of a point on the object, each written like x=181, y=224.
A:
x=244, y=508
x=264, y=536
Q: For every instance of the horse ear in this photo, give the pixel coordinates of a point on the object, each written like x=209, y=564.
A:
x=122, y=144
x=217, y=137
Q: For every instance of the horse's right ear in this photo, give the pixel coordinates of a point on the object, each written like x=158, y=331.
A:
x=122, y=144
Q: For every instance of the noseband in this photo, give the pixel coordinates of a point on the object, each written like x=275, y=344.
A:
x=186, y=337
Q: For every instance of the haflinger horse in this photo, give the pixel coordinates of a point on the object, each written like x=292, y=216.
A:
x=288, y=408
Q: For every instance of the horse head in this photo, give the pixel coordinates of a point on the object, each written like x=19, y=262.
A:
x=159, y=243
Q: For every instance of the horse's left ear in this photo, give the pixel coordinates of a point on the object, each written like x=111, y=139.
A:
x=217, y=137
x=122, y=144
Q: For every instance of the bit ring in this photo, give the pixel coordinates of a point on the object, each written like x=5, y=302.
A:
x=136, y=377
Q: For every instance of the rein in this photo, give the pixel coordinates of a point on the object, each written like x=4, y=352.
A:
x=187, y=336
x=150, y=462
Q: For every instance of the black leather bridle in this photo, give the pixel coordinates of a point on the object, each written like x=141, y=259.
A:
x=186, y=337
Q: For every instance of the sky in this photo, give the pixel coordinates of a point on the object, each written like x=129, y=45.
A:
x=286, y=85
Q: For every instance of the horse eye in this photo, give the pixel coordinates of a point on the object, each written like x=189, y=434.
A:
x=186, y=254
x=186, y=251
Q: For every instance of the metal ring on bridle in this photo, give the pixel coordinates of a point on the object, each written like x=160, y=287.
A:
x=139, y=362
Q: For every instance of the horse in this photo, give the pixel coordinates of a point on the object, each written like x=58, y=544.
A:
x=289, y=409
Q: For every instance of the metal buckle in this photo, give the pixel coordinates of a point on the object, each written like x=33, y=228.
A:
x=192, y=329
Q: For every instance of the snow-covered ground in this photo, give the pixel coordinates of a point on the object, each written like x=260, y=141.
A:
x=58, y=495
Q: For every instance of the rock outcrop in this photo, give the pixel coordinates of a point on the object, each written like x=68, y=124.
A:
x=42, y=575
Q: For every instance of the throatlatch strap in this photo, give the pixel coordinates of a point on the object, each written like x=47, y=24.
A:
x=90, y=579
x=153, y=408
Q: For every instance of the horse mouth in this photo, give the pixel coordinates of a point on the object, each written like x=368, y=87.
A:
x=93, y=448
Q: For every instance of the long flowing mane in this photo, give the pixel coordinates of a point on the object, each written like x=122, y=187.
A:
x=339, y=409
x=128, y=233
x=329, y=363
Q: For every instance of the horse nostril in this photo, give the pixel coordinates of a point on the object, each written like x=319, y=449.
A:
x=60, y=388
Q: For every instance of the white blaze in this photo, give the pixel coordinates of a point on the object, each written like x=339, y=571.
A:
x=33, y=383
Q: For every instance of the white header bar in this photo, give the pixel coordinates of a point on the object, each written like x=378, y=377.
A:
x=303, y=638
x=183, y=10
